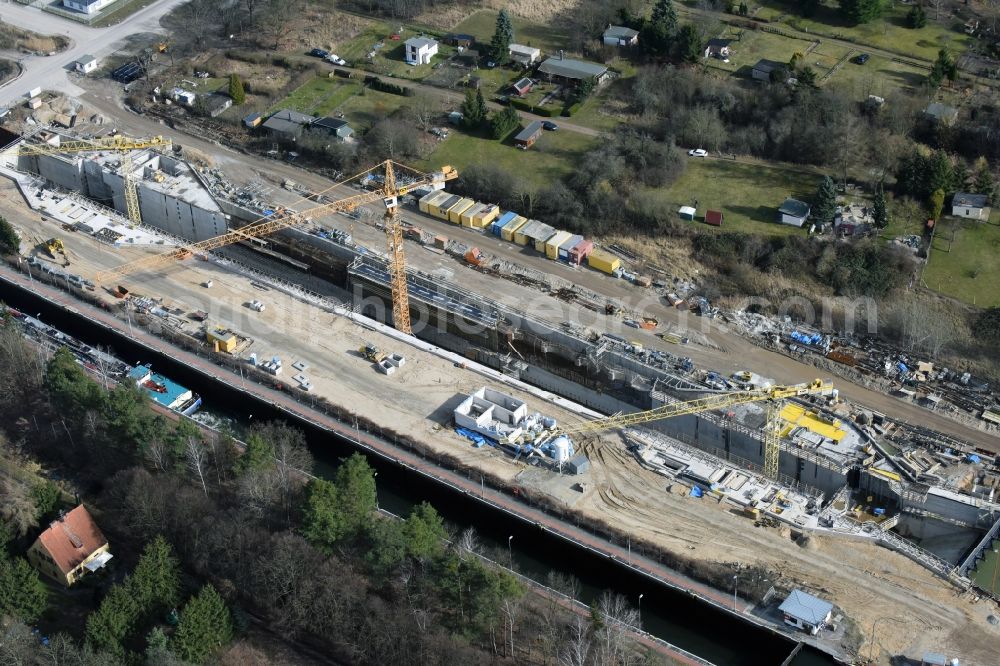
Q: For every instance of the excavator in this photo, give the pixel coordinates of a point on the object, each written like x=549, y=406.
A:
x=55, y=246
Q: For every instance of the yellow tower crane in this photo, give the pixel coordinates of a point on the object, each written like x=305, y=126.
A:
x=117, y=143
x=773, y=395
x=388, y=193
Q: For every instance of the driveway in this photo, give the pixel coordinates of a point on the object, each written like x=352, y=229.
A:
x=50, y=72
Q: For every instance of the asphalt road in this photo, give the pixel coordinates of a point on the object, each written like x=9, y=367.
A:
x=50, y=72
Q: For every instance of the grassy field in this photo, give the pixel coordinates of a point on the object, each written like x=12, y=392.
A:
x=747, y=194
x=987, y=573
x=364, y=110
x=482, y=24
x=889, y=33
x=389, y=57
x=319, y=96
x=755, y=45
x=879, y=76
x=969, y=271
x=552, y=157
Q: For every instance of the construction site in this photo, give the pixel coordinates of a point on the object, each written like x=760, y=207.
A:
x=606, y=404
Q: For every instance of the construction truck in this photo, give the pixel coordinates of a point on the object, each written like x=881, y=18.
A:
x=373, y=353
x=54, y=246
x=475, y=257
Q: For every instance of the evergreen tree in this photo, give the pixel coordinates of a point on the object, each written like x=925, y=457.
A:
x=236, y=90
x=46, y=496
x=9, y=241
x=481, y=110
x=744, y=8
x=22, y=593
x=502, y=38
x=113, y=621
x=387, y=546
x=935, y=204
x=424, y=532
x=825, y=204
x=689, y=47
x=72, y=392
x=473, y=113
x=959, y=177
x=156, y=580
x=355, y=482
x=205, y=627
x=322, y=523
x=807, y=77
x=861, y=11
x=665, y=15
x=916, y=18
x=984, y=179
x=502, y=123
x=880, y=214
x=258, y=454
x=939, y=172
x=657, y=34
x=944, y=68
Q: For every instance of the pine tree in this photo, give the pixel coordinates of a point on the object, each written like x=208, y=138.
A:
x=236, y=90
x=880, y=214
x=689, y=47
x=205, y=626
x=22, y=594
x=322, y=523
x=744, y=8
x=156, y=580
x=935, y=204
x=807, y=77
x=984, y=179
x=424, y=532
x=504, y=122
x=473, y=109
x=825, y=204
x=113, y=621
x=481, y=110
x=9, y=241
x=502, y=38
x=916, y=18
x=258, y=454
x=861, y=11
x=665, y=15
x=939, y=172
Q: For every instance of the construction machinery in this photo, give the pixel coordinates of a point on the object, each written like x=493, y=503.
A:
x=55, y=246
x=475, y=257
x=117, y=143
x=372, y=353
x=773, y=396
x=389, y=193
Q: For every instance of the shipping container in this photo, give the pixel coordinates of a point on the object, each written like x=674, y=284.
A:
x=581, y=252
x=554, y=241
x=541, y=235
x=687, y=213
x=433, y=198
x=485, y=217
x=439, y=207
x=568, y=245
x=501, y=221
x=441, y=242
x=521, y=236
x=455, y=212
x=465, y=219
x=604, y=261
x=509, y=231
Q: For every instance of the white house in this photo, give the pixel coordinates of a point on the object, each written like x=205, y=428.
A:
x=87, y=6
x=525, y=55
x=182, y=96
x=86, y=64
x=619, y=35
x=972, y=206
x=793, y=212
x=804, y=611
x=420, y=50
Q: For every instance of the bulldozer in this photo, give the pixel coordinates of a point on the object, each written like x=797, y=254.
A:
x=372, y=353
x=162, y=47
x=55, y=246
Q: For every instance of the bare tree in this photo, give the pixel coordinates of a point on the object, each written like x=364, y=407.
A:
x=468, y=542
x=197, y=457
x=424, y=109
x=278, y=19
x=158, y=455
x=511, y=609
x=577, y=647
x=938, y=5
x=617, y=618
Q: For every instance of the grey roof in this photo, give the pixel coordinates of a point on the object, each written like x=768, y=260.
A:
x=619, y=32
x=806, y=607
x=530, y=131
x=420, y=42
x=969, y=200
x=794, y=207
x=939, y=110
x=537, y=231
x=215, y=101
x=287, y=121
x=572, y=69
x=86, y=58
x=330, y=123
x=768, y=66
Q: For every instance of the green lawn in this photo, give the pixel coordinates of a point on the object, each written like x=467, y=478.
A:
x=747, y=194
x=364, y=110
x=388, y=59
x=753, y=46
x=879, y=76
x=987, y=572
x=482, y=24
x=969, y=271
x=888, y=33
x=553, y=155
x=319, y=96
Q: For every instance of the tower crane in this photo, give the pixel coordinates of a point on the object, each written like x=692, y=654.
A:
x=388, y=193
x=773, y=395
x=117, y=143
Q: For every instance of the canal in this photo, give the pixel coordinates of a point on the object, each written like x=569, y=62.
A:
x=669, y=614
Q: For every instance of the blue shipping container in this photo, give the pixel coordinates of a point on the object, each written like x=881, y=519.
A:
x=497, y=224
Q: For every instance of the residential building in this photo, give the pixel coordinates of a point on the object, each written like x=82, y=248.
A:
x=806, y=612
x=524, y=55
x=769, y=70
x=216, y=103
x=181, y=96
x=70, y=548
x=419, y=50
x=618, y=35
x=526, y=138
x=942, y=113
x=793, y=212
x=458, y=39
x=287, y=124
x=86, y=64
x=972, y=206
x=87, y=6
x=718, y=48
x=334, y=127
x=571, y=72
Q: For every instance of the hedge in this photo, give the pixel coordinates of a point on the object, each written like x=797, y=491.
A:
x=571, y=109
x=530, y=108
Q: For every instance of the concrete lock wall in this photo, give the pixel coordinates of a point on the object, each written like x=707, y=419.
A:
x=66, y=173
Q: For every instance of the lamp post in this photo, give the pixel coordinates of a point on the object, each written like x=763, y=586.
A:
x=736, y=580
x=374, y=477
x=510, y=551
x=639, y=606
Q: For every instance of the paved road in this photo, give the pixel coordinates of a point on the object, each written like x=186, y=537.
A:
x=50, y=72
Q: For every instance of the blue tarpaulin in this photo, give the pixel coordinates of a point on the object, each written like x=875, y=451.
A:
x=902, y=367
x=973, y=458
x=477, y=439
x=696, y=492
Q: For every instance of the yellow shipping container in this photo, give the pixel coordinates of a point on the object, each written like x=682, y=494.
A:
x=553, y=243
x=470, y=213
x=431, y=199
x=455, y=212
x=604, y=261
x=509, y=231
x=224, y=338
x=439, y=207
x=485, y=217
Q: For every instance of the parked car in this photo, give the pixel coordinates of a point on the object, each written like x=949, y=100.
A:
x=862, y=59
x=336, y=60
x=503, y=99
x=698, y=152
x=319, y=53
x=549, y=125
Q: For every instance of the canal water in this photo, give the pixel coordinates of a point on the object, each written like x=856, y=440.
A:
x=671, y=615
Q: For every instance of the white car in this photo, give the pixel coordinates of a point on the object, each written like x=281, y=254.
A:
x=698, y=152
x=336, y=60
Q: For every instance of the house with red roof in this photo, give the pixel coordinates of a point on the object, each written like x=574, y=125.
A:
x=70, y=548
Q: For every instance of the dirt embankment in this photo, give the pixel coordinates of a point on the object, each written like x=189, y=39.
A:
x=12, y=38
